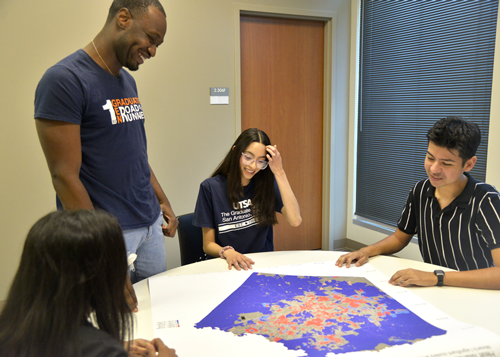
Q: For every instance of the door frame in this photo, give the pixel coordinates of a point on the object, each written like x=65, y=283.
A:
x=330, y=239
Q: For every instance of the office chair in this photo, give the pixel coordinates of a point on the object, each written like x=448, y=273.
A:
x=190, y=240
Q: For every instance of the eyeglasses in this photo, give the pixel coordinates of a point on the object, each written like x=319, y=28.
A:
x=249, y=160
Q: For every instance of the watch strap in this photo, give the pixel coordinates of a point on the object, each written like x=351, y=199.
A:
x=440, y=276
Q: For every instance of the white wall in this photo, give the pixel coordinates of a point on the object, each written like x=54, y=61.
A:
x=493, y=168
x=186, y=136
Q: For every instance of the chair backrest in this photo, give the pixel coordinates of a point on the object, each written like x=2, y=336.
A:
x=190, y=240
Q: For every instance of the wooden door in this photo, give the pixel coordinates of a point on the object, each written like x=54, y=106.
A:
x=282, y=94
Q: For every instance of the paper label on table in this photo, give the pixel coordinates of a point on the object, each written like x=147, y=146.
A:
x=167, y=324
x=314, y=309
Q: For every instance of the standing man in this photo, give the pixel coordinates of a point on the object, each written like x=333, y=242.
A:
x=90, y=124
x=456, y=218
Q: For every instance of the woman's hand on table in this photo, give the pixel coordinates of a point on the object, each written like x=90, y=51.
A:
x=163, y=351
x=140, y=348
x=145, y=348
x=238, y=260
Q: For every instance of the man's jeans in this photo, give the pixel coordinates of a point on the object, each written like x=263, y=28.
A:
x=149, y=245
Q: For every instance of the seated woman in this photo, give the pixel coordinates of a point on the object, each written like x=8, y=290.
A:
x=73, y=270
x=237, y=206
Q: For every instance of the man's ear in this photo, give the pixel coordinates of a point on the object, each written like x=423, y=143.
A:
x=469, y=164
x=124, y=18
x=233, y=147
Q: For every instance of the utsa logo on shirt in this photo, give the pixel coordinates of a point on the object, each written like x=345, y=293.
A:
x=124, y=110
x=240, y=218
x=242, y=204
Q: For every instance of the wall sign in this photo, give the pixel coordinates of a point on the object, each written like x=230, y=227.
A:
x=219, y=95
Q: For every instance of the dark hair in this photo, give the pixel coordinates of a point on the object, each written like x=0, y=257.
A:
x=263, y=202
x=457, y=134
x=73, y=264
x=134, y=6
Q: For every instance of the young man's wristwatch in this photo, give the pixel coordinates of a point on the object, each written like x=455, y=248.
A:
x=440, y=276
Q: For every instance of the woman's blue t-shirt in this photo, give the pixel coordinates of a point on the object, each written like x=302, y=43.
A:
x=234, y=226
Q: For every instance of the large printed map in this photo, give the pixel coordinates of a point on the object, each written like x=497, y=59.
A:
x=318, y=314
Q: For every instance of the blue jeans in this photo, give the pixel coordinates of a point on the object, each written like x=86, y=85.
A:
x=149, y=245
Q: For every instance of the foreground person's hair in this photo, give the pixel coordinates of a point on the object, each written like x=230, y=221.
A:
x=73, y=265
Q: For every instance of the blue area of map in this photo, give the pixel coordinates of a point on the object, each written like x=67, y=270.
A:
x=318, y=314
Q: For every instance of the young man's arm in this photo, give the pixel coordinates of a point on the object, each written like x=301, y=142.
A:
x=61, y=144
x=488, y=278
x=166, y=208
x=389, y=245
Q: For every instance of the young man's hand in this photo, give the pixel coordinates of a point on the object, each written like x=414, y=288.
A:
x=408, y=277
x=358, y=256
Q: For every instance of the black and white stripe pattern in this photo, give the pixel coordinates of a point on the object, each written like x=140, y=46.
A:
x=462, y=235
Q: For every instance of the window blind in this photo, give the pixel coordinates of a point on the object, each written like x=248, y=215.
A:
x=420, y=61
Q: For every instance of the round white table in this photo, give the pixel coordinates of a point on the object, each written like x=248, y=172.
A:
x=472, y=306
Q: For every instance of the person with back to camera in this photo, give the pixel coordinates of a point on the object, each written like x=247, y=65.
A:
x=72, y=270
x=456, y=218
x=237, y=205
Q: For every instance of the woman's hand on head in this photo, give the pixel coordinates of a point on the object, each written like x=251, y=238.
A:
x=274, y=158
x=238, y=260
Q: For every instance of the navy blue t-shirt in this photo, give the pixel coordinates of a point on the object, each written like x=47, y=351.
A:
x=115, y=169
x=234, y=226
x=98, y=343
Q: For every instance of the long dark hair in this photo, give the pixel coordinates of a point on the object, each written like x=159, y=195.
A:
x=263, y=202
x=73, y=264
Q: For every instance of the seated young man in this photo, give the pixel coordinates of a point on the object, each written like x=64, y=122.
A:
x=456, y=218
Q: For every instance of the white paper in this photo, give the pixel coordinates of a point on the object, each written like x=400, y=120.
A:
x=179, y=302
x=219, y=99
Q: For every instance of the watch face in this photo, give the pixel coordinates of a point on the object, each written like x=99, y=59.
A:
x=440, y=276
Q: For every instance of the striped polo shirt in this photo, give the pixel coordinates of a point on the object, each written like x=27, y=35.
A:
x=460, y=236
